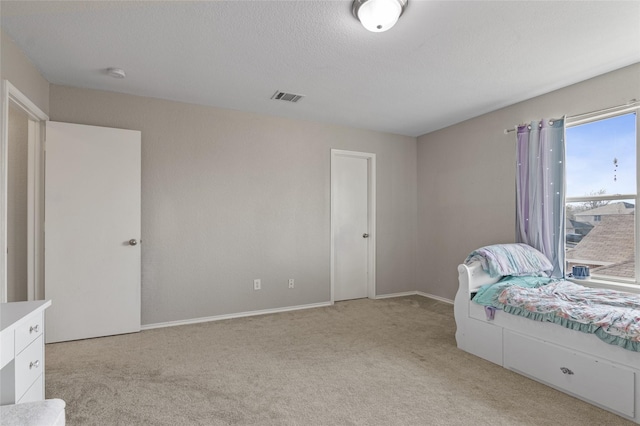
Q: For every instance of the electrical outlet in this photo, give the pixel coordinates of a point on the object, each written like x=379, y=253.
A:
x=292, y=283
x=257, y=284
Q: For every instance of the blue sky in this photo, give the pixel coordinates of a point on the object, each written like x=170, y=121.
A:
x=590, y=150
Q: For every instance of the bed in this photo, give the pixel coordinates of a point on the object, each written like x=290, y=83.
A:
x=575, y=362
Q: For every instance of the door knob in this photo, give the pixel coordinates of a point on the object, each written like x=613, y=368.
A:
x=365, y=235
x=132, y=242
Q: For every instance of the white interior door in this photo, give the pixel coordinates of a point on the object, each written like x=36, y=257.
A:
x=92, y=230
x=353, y=269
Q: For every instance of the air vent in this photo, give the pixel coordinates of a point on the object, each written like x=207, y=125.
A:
x=288, y=97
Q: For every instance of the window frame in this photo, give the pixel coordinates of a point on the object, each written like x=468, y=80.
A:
x=617, y=283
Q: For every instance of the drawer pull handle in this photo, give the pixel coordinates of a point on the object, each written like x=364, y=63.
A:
x=34, y=328
x=565, y=370
x=34, y=364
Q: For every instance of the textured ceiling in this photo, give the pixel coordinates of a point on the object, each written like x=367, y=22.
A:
x=444, y=62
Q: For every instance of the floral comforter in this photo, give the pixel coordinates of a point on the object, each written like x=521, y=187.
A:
x=614, y=316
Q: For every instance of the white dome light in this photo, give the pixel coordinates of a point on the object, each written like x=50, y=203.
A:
x=378, y=15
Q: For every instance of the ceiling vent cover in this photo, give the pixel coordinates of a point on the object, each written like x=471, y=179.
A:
x=288, y=97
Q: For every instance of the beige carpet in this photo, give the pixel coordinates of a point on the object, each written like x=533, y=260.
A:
x=363, y=362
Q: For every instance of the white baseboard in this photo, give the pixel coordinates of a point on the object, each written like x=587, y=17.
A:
x=230, y=316
x=388, y=296
x=433, y=296
x=415, y=293
x=278, y=310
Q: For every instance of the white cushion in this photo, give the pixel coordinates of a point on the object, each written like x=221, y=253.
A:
x=49, y=412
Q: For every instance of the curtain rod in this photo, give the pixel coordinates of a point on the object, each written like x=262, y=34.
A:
x=579, y=118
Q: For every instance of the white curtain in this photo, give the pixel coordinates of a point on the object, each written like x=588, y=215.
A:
x=540, y=212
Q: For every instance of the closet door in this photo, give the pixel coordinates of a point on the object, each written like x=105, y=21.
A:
x=92, y=231
x=352, y=225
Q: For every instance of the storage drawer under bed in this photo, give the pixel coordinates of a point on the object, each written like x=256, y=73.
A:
x=593, y=379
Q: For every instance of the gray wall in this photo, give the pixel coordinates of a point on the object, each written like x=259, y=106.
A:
x=466, y=175
x=17, y=205
x=18, y=69
x=229, y=196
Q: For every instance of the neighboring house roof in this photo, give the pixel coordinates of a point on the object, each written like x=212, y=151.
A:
x=568, y=226
x=620, y=207
x=577, y=225
x=575, y=232
x=623, y=269
x=609, y=242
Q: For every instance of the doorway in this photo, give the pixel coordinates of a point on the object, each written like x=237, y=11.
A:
x=353, y=247
x=21, y=207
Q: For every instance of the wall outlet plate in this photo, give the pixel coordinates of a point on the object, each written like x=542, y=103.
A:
x=257, y=284
x=292, y=283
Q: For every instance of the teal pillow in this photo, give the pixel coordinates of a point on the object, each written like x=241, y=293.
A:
x=488, y=294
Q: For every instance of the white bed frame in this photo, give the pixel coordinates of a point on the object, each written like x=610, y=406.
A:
x=573, y=362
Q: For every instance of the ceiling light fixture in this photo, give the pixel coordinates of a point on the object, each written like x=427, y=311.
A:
x=116, y=72
x=378, y=15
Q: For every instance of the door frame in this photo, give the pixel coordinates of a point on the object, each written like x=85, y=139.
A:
x=371, y=217
x=35, y=190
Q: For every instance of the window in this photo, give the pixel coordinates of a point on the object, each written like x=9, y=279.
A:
x=601, y=197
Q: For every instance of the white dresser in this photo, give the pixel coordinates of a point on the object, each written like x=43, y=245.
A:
x=22, y=351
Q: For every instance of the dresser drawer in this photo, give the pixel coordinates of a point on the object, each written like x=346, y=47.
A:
x=35, y=392
x=29, y=366
x=29, y=331
x=593, y=379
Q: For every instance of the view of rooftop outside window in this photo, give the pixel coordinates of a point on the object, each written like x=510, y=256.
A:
x=601, y=197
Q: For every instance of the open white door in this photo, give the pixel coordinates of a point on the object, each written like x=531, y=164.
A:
x=92, y=231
